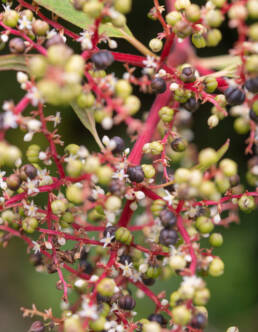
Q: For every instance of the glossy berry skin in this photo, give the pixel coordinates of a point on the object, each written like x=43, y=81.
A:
x=135, y=174
x=126, y=302
x=13, y=182
x=125, y=258
x=191, y=105
x=120, y=144
x=253, y=116
x=188, y=75
x=252, y=85
x=148, y=281
x=168, y=219
x=86, y=266
x=159, y=319
x=158, y=85
x=101, y=298
x=234, y=96
x=111, y=230
x=29, y=171
x=168, y=237
x=55, y=40
x=199, y=321
x=102, y=59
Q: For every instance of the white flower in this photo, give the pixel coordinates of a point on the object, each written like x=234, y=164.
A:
x=83, y=152
x=193, y=281
x=33, y=125
x=89, y=311
x=85, y=40
x=34, y=96
x=169, y=198
x=127, y=269
x=111, y=217
x=24, y=23
x=109, y=143
x=136, y=276
x=8, y=105
x=107, y=240
x=107, y=123
x=32, y=186
x=120, y=175
x=31, y=209
x=3, y=184
x=161, y=73
x=112, y=43
x=28, y=136
x=139, y=195
x=173, y=86
x=150, y=62
x=96, y=192
x=56, y=119
x=22, y=77
x=4, y=38
x=48, y=245
x=36, y=247
x=10, y=120
x=61, y=241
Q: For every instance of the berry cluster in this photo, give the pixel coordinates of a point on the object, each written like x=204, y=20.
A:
x=127, y=221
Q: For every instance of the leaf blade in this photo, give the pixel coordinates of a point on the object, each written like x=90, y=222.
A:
x=13, y=62
x=65, y=10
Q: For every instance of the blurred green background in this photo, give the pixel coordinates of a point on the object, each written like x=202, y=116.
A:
x=234, y=295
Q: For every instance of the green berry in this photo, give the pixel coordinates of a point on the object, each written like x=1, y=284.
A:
x=201, y=296
x=106, y=287
x=72, y=324
x=246, y=203
x=228, y=167
x=155, y=44
x=113, y=203
x=252, y=7
x=30, y=224
x=104, y=174
x=241, y=126
x=204, y=225
x=93, y=8
x=210, y=84
x=86, y=100
x=166, y=114
x=173, y=17
x=98, y=324
x=123, y=89
x=74, y=168
x=181, y=315
x=37, y=66
x=198, y=40
x=33, y=153
x=213, y=37
x=193, y=13
x=182, y=4
x=59, y=206
x=216, y=240
x=123, y=235
x=10, y=18
x=216, y=268
x=207, y=157
x=149, y=171
x=123, y=6
x=214, y=18
x=132, y=104
x=40, y=27
x=74, y=194
x=119, y=20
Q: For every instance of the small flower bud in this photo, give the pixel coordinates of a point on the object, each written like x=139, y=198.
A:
x=213, y=121
x=155, y=44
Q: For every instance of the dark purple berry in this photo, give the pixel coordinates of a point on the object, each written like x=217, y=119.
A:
x=126, y=302
x=102, y=59
x=234, y=180
x=252, y=85
x=120, y=144
x=55, y=40
x=168, y=218
x=179, y=144
x=188, y=75
x=101, y=298
x=110, y=230
x=253, y=116
x=135, y=174
x=83, y=254
x=86, y=266
x=158, y=85
x=148, y=281
x=125, y=258
x=170, y=187
x=191, y=105
x=234, y=95
x=37, y=326
x=158, y=318
x=117, y=187
x=28, y=171
x=17, y=45
x=168, y=237
x=199, y=321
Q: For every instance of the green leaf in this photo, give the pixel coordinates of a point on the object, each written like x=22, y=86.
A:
x=65, y=10
x=13, y=62
x=87, y=119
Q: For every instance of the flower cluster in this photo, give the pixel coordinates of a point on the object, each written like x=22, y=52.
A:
x=127, y=221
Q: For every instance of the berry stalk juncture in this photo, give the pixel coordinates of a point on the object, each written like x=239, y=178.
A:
x=131, y=213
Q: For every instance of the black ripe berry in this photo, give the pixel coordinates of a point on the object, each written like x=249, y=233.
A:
x=120, y=144
x=253, y=116
x=168, y=237
x=135, y=174
x=102, y=59
x=110, y=230
x=191, y=105
x=252, y=85
x=234, y=95
x=126, y=302
x=125, y=258
x=158, y=318
x=188, y=75
x=199, y=321
x=101, y=298
x=17, y=45
x=86, y=266
x=148, y=281
x=158, y=85
x=168, y=218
